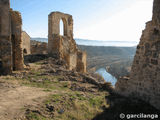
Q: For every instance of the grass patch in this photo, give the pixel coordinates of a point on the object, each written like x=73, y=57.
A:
x=76, y=105
x=36, y=79
x=35, y=116
x=67, y=104
x=48, y=83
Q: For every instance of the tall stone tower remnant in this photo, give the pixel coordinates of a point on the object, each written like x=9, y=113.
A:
x=64, y=46
x=11, y=56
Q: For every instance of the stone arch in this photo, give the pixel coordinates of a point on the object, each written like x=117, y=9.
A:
x=54, y=38
x=61, y=27
x=25, y=51
x=63, y=22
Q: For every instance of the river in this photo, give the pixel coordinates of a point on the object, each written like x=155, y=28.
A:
x=107, y=76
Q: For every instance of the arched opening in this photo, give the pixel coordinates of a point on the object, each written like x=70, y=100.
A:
x=61, y=24
x=24, y=51
x=63, y=27
x=156, y=31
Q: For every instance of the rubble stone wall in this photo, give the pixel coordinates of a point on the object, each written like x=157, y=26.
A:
x=11, y=57
x=81, y=61
x=39, y=48
x=16, y=36
x=26, y=43
x=5, y=38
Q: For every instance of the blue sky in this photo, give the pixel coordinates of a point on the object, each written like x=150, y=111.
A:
x=121, y=20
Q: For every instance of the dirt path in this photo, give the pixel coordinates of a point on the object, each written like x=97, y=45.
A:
x=13, y=99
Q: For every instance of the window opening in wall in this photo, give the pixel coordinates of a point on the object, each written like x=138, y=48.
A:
x=61, y=28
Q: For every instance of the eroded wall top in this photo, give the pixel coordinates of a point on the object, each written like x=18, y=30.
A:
x=16, y=22
x=156, y=12
x=4, y=18
x=5, y=2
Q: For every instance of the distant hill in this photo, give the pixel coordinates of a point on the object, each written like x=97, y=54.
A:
x=106, y=43
x=97, y=42
x=106, y=51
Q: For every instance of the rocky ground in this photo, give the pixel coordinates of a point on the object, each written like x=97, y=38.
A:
x=14, y=97
x=46, y=90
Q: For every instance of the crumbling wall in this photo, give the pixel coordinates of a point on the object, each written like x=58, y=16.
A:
x=5, y=38
x=16, y=37
x=144, y=81
x=38, y=47
x=64, y=46
x=26, y=43
x=81, y=61
x=11, y=57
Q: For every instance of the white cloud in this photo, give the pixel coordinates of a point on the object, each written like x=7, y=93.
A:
x=127, y=25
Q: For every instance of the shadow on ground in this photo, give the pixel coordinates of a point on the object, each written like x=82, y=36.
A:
x=120, y=106
x=35, y=58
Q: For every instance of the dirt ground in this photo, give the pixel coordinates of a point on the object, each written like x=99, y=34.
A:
x=14, y=98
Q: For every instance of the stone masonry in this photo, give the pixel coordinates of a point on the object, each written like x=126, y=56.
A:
x=65, y=46
x=144, y=80
x=26, y=43
x=11, y=54
x=38, y=47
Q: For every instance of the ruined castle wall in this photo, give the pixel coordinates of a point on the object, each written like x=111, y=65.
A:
x=64, y=46
x=26, y=43
x=57, y=45
x=156, y=11
x=39, y=48
x=81, y=61
x=11, y=57
x=54, y=28
x=144, y=82
x=5, y=38
x=17, y=50
x=54, y=20
x=71, y=61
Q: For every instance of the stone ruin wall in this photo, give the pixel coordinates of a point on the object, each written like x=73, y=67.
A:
x=81, y=61
x=16, y=38
x=14, y=43
x=38, y=47
x=5, y=38
x=65, y=46
x=11, y=55
x=26, y=43
x=144, y=80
